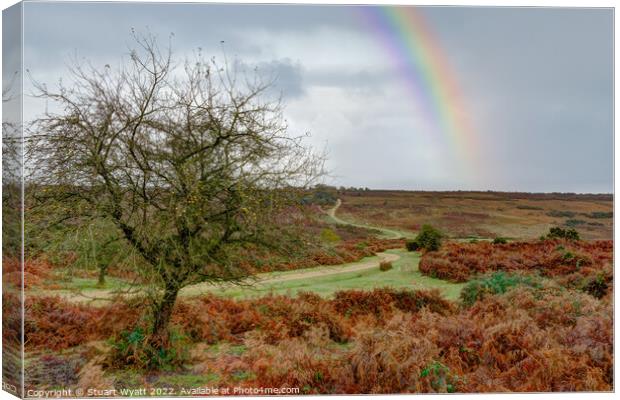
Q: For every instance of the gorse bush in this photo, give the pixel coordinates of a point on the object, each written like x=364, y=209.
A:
x=600, y=214
x=560, y=233
x=428, y=239
x=496, y=283
x=599, y=285
x=527, y=207
x=574, y=222
x=329, y=236
x=500, y=240
x=319, y=197
x=412, y=245
x=561, y=214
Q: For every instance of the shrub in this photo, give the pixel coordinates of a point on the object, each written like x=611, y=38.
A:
x=561, y=214
x=559, y=233
x=429, y=238
x=600, y=214
x=500, y=240
x=361, y=245
x=385, y=265
x=597, y=286
x=440, y=378
x=412, y=245
x=574, y=222
x=526, y=207
x=319, y=197
x=496, y=283
x=329, y=236
x=132, y=348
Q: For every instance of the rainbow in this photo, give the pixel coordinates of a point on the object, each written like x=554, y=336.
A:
x=416, y=52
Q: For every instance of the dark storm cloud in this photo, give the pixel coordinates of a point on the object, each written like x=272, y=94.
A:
x=537, y=83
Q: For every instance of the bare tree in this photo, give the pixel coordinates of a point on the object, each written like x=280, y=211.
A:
x=190, y=162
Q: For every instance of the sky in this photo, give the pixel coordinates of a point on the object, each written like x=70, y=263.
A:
x=535, y=84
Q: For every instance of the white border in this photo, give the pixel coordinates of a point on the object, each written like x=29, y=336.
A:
x=479, y=3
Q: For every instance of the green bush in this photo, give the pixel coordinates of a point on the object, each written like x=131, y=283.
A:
x=496, y=283
x=574, y=222
x=500, y=240
x=440, y=377
x=329, y=236
x=596, y=286
x=600, y=214
x=385, y=265
x=361, y=245
x=412, y=245
x=133, y=348
x=561, y=214
x=559, y=233
x=429, y=238
x=320, y=197
x=526, y=207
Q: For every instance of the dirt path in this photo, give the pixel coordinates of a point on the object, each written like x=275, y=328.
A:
x=387, y=233
x=271, y=278
x=334, y=270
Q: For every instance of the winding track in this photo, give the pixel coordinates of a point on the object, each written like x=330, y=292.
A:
x=386, y=233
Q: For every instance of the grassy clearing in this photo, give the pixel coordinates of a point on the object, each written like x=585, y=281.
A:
x=404, y=274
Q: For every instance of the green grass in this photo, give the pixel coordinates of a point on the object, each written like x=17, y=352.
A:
x=404, y=274
x=187, y=381
x=89, y=284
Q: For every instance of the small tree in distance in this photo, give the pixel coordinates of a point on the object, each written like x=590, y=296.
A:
x=428, y=239
x=190, y=164
x=559, y=233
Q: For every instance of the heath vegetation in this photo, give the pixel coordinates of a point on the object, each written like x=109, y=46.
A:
x=158, y=188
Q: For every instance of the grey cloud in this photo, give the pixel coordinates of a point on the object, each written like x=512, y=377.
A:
x=287, y=76
x=537, y=82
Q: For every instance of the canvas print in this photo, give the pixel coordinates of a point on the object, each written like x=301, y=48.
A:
x=295, y=199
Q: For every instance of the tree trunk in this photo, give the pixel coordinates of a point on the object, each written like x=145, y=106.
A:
x=163, y=312
x=102, y=273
